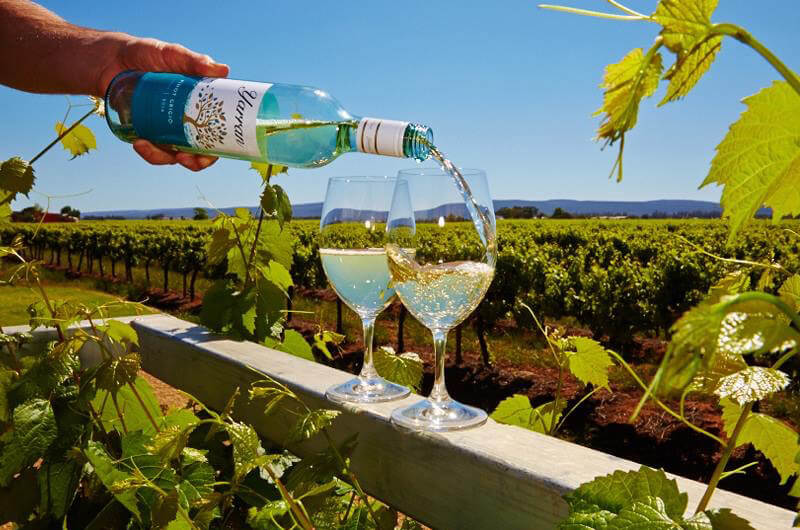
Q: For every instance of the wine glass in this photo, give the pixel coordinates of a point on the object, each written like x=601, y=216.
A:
x=352, y=238
x=441, y=222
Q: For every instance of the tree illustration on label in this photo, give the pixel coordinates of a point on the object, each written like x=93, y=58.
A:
x=207, y=127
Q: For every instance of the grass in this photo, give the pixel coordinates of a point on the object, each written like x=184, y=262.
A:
x=14, y=301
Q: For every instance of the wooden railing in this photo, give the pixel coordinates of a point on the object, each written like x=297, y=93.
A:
x=492, y=477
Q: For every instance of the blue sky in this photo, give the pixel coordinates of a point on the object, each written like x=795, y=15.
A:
x=505, y=86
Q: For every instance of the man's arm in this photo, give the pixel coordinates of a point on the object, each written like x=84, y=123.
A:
x=41, y=52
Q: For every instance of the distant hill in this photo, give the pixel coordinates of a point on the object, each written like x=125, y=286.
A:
x=675, y=208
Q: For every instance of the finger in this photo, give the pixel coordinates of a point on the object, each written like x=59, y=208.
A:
x=153, y=154
x=152, y=54
x=195, y=162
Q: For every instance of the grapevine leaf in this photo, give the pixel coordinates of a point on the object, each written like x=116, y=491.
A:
x=269, y=309
x=278, y=465
x=198, y=480
x=170, y=441
x=310, y=423
x=16, y=176
x=268, y=200
x=589, y=362
x=322, y=339
x=758, y=162
x=517, y=410
x=587, y=520
x=109, y=475
x=5, y=207
x=685, y=31
x=6, y=381
x=263, y=169
x=405, y=369
x=263, y=518
x=283, y=206
x=318, y=469
x=135, y=417
x=277, y=274
x=649, y=513
x=790, y=291
x=622, y=488
x=294, y=343
x=626, y=83
x=725, y=519
x=79, y=140
x=221, y=242
x=118, y=372
x=689, y=68
x=121, y=332
x=772, y=437
x=58, y=484
x=218, y=305
x=34, y=430
x=751, y=384
x=684, y=22
x=246, y=448
x=274, y=245
x=722, y=364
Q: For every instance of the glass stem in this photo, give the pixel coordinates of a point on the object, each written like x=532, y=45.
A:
x=368, y=369
x=439, y=393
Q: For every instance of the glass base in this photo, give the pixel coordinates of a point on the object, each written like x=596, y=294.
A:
x=372, y=390
x=449, y=415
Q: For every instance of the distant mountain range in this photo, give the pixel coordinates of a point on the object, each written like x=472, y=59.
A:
x=672, y=208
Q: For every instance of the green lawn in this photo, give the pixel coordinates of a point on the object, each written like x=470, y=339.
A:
x=14, y=300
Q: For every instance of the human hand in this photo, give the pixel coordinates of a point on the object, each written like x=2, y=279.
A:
x=132, y=53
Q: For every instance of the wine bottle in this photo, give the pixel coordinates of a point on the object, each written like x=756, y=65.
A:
x=290, y=125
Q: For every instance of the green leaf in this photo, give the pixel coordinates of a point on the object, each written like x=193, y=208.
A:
x=758, y=162
x=621, y=489
x=626, y=83
x=685, y=22
x=121, y=332
x=589, y=362
x=34, y=430
x=16, y=176
x=246, y=448
x=78, y=141
x=263, y=518
x=268, y=200
x=405, y=369
x=275, y=244
x=751, y=384
x=277, y=274
x=283, y=206
x=517, y=410
x=6, y=381
x=649, y=513
x=310, y=423
x=322, y=339
x=218, y=305
x=109, y=475
x=771, y=436
x=58, y=484
x=135, y=417
x=790, y=291
x=268, y=170
x=725, y=519
x=318, y=469
x=686, y=25
x=118, y=372
x=294, y=343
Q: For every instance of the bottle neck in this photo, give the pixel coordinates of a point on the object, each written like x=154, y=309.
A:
x=391, y=138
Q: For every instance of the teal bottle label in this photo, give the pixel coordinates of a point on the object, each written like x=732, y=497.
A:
x=209, y=114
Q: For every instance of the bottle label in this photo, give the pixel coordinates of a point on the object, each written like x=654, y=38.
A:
x=209, y=114
x=381, y=137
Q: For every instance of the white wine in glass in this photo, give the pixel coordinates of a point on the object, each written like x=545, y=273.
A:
x=352, y=239
x=438, y=293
